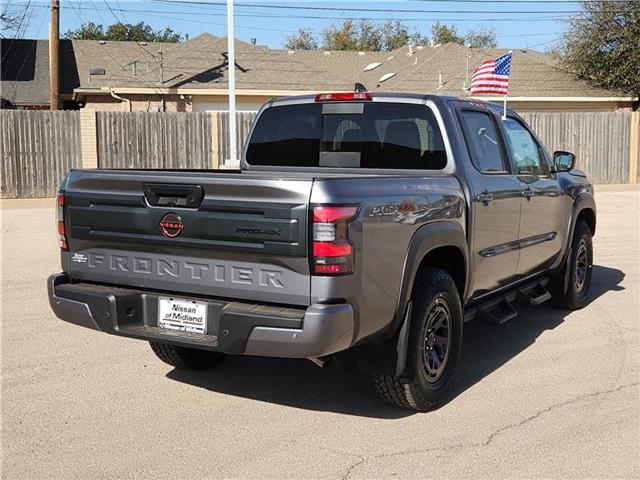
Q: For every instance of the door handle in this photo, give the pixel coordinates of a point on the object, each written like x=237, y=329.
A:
x=485, y=197
x=527, y=193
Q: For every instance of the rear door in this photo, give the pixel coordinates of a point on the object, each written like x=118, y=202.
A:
x=543, y=210
x=496, y=200
x=224, y=235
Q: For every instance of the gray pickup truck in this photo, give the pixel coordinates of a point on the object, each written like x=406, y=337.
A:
x=377, y=223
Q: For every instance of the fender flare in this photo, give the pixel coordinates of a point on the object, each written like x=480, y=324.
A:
x=425, y=239
x=583, y=201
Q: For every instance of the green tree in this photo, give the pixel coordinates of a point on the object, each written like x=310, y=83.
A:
x=602, y=45
x=135, y=32
x=395, y=34
x=343, y=37
x=442, y=33
x=481, y=38
x=303, y=39
x=369, y=36
x=86, y=31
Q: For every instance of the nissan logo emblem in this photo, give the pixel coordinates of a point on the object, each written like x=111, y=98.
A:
x=171, y=225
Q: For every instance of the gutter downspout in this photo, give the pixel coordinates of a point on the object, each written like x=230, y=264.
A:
x=117, y=97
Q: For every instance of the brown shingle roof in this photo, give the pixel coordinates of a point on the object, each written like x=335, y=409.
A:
x=441, y=69
x=201, y=63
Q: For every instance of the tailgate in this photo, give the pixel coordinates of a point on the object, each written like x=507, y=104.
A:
x=219, y=234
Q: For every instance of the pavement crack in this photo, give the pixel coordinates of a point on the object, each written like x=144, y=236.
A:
x=491, y=437
x=553, y=407
x=352, y=467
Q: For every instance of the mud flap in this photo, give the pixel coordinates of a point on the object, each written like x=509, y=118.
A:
x=403, y=340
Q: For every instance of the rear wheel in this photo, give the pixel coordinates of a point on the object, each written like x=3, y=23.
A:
x=580, y=265
x=186, y=358
x=435, y=341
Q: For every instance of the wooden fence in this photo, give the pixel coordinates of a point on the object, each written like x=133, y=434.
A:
x=154, y=140
x=601, y=141
x=243, y=127
x=38, y=149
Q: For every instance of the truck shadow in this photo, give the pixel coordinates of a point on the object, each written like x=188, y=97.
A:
x=340, y=388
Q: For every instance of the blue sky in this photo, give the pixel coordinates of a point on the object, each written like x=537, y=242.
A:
x=270, y=26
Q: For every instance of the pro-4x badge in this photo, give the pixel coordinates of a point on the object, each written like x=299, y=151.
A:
x=171, y=225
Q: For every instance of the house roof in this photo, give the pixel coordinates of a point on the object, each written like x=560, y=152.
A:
x=201, y=63
x=25, y=71
x=442, y=69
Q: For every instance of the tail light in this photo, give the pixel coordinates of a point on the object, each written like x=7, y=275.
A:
x=62, y=233
x=332, y=249
x=343, y=97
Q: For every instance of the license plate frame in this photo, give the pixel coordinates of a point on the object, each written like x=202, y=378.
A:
x=182, y=315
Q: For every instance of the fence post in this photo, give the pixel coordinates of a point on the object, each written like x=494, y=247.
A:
x=634, y=149
x=88, y=139
x=215, y=160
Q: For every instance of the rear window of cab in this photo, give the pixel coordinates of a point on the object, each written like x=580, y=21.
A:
x=369, y=135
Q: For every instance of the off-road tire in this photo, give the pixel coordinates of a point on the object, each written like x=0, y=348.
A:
x=575, y=297
x=186, y=358
x=412, y=389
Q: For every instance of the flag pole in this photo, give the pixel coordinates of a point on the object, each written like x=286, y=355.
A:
x=231, y=61
x=504, y=106
x=504, y=109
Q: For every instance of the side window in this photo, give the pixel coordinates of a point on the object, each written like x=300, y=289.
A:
x=524, y=149
x=482, y=141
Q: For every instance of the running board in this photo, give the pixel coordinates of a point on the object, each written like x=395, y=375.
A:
x=534, y=296
x=499, y=312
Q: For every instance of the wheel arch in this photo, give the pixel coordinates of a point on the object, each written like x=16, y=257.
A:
x=584, y=207
x=588, y=214
x=440, y=245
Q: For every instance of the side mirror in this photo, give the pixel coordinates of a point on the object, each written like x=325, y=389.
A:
x=563, y=161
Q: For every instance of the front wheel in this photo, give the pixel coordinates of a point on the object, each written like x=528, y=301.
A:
x=435, y=342
x=186, y=358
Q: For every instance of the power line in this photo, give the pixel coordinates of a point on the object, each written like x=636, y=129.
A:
x=115, y=60
x=372, y=10
x=430, y=19
x=125, y=22
x=528, y=1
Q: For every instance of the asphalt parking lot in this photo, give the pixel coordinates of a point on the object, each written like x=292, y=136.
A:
x=551, y=394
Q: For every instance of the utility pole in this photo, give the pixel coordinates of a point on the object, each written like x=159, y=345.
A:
x=54, y=56
x=231, y=60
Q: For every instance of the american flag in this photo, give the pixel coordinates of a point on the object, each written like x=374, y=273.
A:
x=492, y=76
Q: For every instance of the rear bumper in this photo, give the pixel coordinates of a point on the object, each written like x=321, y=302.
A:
x=233, y=327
